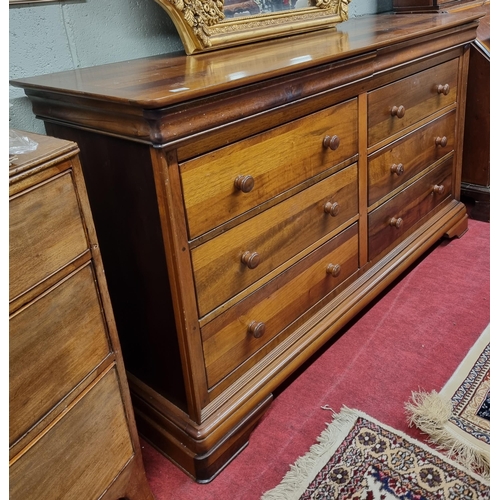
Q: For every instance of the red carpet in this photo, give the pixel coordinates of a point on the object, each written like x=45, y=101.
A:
x=411, y=338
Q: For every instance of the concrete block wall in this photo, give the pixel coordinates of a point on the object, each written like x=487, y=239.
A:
x=69, y=34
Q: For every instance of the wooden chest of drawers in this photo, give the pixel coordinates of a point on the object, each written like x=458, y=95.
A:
x=250, y=202
x=71, y=427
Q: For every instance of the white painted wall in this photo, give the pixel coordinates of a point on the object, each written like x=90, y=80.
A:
x=50, y=37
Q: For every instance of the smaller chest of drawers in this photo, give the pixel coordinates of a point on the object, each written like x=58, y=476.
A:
x=72, y=431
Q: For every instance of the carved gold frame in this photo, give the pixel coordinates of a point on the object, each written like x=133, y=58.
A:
x=203, y=26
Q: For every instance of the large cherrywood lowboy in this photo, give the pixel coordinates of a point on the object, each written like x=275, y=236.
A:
x=251, y=201
x=72, y=432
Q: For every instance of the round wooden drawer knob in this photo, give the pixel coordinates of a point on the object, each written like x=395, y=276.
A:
x=250, y=259
x=396, y=222
x=331, y=142
x=444, y=89
x=397, y=169
x=441, y=141
x=398, y=111
x=257, y=329
x=333, y=269
x=438, y=189
x=244, y=183
x=332, y=208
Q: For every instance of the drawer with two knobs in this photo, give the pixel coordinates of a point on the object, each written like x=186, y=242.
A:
x=226, y=265
x=401, y=104
x=391, y=167
x=234, y=336
x=393, y=220
x=230, y=181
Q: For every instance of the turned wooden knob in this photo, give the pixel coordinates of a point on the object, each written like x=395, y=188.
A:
x=441, y=141
x=257, y=329
x=397, y=223
x=397, y=169
x=438, y=189
x=250, y=259
x=444, y=89
x=244, y=183
x=331, y=142
x=332, y=208
x=333, y=269
x=398, y=111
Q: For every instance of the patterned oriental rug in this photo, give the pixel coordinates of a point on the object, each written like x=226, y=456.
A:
x=358, y=458
x=457, y=419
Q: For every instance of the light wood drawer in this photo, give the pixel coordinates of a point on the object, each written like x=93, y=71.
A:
x=55, y=341
x=234, y=336
x=45, y=232
x=414, y=97
x=271, y=162
x=69, y=460
x=394, y=165
x=271, y=238
x=392, y=220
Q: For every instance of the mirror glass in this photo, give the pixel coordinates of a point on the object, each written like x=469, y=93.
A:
x=235, y=8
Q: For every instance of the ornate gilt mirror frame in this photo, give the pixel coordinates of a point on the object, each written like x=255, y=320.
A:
x=213, y=24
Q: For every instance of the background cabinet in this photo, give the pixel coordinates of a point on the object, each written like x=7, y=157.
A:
x=476, y=162
x=432, y=5
x=72, y=430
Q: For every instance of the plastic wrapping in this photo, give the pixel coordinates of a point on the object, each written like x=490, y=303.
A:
x=20, y=144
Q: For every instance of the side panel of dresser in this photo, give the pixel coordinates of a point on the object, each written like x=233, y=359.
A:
x=72, y=429
x=476, y=162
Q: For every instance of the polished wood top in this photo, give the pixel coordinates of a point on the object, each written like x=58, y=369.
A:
x=160, y=81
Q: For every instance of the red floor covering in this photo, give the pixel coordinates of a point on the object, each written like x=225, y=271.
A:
x=413, y=337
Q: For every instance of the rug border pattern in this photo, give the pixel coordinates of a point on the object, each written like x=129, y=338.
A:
x=331, y=455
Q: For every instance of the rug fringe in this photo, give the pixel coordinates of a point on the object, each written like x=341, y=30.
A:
x=430, y=412
x=306, y=467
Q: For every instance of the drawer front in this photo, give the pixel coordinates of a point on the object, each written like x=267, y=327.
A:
x=46, y=232
x=81, y=454
x=230, y=181
x=54, y=342
x=403, y=103
x=394, y=218
x=400, y=161
x=234, y=336
x=225, y=265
